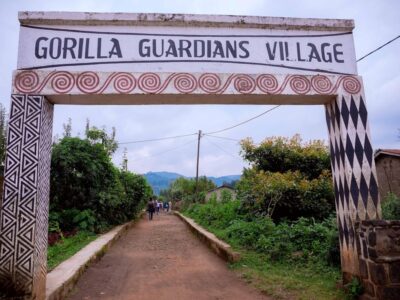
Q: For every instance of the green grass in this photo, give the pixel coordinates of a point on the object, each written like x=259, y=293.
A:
x=66, y=248
x=288, y=281
x=283, y=279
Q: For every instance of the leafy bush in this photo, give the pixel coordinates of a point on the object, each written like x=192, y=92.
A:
x=354, y=288
x=85, y=220
x=391, y=207
x=304, y=240
x=87, y=192
x=184, y=189
x=286, y=195
x=226, y=196
x=218, y=215
x=279, y=154
x=288, y=179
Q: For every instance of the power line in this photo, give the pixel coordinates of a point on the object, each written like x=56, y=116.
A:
x=166, y=151
x=222, y=138
x=380, y=47
x=244, y=122
x=207, y=133
x=158, y=139
x=222, y=149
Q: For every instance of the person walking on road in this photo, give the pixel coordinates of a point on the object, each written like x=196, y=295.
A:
x=157, y=207
x=166, y=206
x=150, y=209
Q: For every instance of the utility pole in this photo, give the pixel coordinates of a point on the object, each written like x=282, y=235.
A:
x=198, y=158
x=125, y=161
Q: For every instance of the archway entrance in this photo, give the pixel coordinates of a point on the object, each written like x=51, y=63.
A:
x=82, y=58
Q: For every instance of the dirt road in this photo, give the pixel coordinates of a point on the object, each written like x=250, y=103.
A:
x=161, y=260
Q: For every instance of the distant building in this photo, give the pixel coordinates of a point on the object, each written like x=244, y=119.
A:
x=388, y=171
x=218, y=192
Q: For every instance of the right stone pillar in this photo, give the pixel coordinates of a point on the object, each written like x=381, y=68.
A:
x=379, y=259
x=353, y=171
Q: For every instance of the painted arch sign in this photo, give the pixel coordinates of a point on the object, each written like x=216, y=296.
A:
x=171, y=49
x=90, y=58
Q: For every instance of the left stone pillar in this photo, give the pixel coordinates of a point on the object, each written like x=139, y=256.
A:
x=25, y=205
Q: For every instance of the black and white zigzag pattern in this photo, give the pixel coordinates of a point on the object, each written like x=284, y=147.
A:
x=24, y=211
x=353, y=166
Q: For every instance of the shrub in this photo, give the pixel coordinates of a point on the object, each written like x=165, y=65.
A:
x=87, y=192
x=213, y=199
x=304, y=240
x=85, y=220
x=279, y=154
x=185, y=189
x=391, y=207
x=218, y=215
x=226, y=196
x=288, y=179
x=286, y=195
x=354, y=288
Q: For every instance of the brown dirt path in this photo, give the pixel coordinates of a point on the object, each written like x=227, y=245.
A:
x=161, y=260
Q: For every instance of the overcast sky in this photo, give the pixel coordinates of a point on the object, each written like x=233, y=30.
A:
x=376, y=22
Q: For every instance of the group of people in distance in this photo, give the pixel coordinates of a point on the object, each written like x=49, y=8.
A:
x=155, y=206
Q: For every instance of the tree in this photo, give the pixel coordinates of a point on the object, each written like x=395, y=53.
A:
x=84, y=182
x=185, y=189
x=80, y=171
x=100, y=136
x=67, y=128
x=287, y=179
x=87, y=127
x=279, y=154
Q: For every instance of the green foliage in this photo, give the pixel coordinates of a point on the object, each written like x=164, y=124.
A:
x=70, y=219
x=68, y=247
x=288, y=179
x=215, y=214
x=226, y=196
x=54, y=223
x=99, y=136
x=354, y=288
x=67, y=128
x=213, y=199
x=304, y=240
x=185, y=189
x=87, y=191
x=85, y=220
x=288, y=280
x=391, y=207
x=286, y=195
x=79, y=171
x=279, y=154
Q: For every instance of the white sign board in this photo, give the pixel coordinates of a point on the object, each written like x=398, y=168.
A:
x=185, y=49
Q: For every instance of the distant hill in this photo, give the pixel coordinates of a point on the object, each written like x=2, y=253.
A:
x=228, y=178
x=161, y=180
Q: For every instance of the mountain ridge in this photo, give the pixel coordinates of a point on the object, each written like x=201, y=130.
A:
x=161, y=180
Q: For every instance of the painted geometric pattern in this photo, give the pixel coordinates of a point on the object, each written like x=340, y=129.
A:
x=21, y=230
x=353, y=166
x=43, y=195
x=63, y=82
